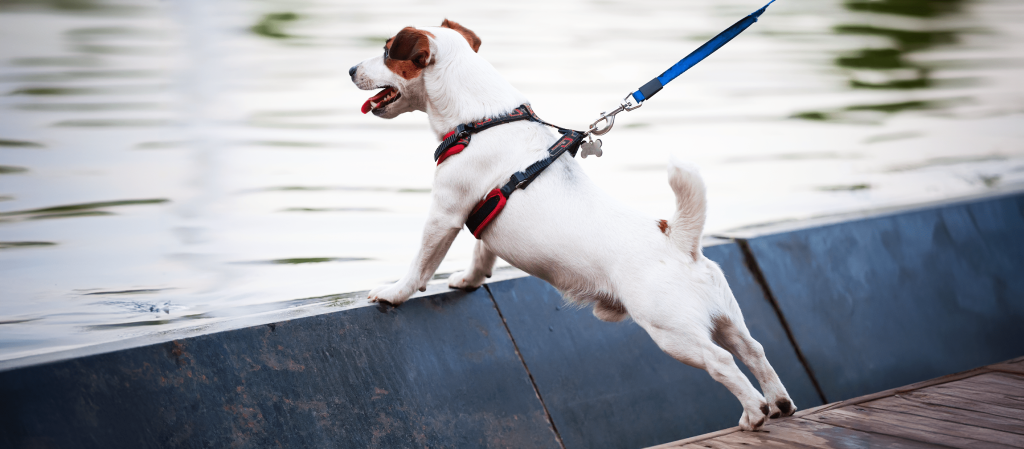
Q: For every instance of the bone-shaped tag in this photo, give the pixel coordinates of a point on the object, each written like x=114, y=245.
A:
x=589, y=148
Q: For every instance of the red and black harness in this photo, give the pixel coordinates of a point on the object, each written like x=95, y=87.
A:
x=489, y=208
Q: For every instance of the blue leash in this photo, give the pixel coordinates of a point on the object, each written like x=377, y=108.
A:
x=648, y=90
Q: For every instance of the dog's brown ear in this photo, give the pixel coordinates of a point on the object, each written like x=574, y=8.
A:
x=411, y=45
x=470, y=36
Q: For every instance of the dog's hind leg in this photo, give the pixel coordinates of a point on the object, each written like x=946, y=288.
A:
x=732, y=334
x=480, y=268
x=685, y=344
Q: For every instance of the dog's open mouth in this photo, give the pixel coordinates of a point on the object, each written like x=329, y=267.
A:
x=383, y=98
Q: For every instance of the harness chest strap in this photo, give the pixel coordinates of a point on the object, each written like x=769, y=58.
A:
x=492, y=204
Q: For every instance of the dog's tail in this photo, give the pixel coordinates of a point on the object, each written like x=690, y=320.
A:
x=691, y=207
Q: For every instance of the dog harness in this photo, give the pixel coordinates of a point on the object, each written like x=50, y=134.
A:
x=487, y=209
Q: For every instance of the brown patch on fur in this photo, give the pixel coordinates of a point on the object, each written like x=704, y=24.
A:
x=608, y=308
x=470, y=36
x=663, y=225
x=765, y=409
x=613, y=305
x=719, y=323
x=408, y=53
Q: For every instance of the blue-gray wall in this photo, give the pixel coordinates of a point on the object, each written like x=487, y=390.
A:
x=842, y=310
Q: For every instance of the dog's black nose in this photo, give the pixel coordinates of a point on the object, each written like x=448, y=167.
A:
x=352, y=71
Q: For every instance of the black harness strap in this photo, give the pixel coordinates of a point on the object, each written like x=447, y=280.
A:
x=463, y=133
x=494, y=202
x=570, y=142
x=457, y=140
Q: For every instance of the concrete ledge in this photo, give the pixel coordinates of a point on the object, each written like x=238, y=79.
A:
x=439, y=371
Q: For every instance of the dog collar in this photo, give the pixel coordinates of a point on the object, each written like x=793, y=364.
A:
x=488, y=209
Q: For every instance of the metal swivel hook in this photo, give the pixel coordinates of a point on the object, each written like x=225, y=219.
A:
x=609, y=117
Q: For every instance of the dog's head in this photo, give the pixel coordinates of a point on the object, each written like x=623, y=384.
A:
x=400, y=71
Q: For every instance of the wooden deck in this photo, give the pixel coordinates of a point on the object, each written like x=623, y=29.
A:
x=981, y=408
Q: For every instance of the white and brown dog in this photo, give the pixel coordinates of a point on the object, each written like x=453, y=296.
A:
x=563, y=228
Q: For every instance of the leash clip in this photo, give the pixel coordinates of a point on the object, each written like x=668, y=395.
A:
x=609, y=117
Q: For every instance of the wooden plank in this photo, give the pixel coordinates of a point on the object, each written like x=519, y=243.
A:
x=1012, y=377
x=979, y=396
x=899, y=404
x=1010, y=366
x=817, y=434
x=933, y=425
x=696, y=438
x=1015, y=367
x=933, y=433
x=917, y=386
x=962, y=403
x=711, y=444
x=817, y=409
x=989, y=387
x=932, y=412
x=1007, y=383
x=755, y=439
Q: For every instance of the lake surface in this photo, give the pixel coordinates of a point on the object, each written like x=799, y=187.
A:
x=170, y=164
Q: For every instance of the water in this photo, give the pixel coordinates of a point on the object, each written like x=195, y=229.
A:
x=170, y=164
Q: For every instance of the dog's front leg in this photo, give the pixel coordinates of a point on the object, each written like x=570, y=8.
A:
x=443, y=224
x=479, y=269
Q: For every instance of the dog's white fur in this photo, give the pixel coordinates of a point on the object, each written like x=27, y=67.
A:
x=565, y=230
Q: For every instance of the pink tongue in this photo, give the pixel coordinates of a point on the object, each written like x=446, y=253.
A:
x=366, y=106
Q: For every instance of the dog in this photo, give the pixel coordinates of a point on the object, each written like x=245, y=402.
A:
x=563, y=228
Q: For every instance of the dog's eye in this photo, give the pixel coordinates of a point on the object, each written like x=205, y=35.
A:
x=385, y=53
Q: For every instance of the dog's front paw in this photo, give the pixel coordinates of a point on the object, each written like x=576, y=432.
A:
x=462, y=280
x=393, y=294
x=752, y=420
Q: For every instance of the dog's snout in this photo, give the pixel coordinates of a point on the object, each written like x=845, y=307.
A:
x=352, y=71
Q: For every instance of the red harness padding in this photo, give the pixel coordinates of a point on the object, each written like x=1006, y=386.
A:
x=486, y=211
x=454, y=149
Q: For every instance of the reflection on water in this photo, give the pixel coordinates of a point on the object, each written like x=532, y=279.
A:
x=889, y=63
x=172, y=164
x=895, y=66
x=272, y=25
x=5, y=245
x=74, y=210
x=301, y=260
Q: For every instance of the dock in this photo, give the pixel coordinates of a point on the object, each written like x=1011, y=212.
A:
x=983, y=407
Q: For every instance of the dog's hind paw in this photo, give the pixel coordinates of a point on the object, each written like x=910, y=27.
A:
x=783, y=407
x=463, y=281
x=754, y=419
